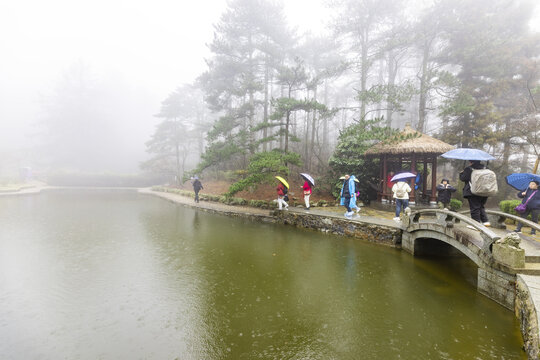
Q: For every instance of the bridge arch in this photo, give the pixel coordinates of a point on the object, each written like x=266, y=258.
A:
x=453, y=229
x=420, y=242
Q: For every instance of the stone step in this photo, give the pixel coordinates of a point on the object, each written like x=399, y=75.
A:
x=531, y=268
x=532, y=259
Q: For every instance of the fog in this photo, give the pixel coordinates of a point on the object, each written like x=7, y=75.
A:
x=134, y=52
x=124, y=57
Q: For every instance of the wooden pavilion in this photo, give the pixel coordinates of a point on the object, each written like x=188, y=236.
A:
x=409, y=150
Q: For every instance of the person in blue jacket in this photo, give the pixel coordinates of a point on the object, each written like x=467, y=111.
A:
x=531, y=196
x=348, y=195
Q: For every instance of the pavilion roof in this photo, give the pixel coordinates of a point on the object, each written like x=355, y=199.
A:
x=409, y=141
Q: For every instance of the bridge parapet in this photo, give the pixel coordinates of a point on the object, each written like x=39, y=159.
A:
x=498, y=219
x=448, y=219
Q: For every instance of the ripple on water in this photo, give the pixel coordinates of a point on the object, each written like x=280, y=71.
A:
x=103, y=276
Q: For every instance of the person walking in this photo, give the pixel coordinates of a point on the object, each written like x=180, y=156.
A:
x=348, y=195
x=401, y=192
x=307, y=193
x=531, y=200
x=281, y=193
x=444, y=193
x=354, y=205
x=197, y=186
x=476, y=203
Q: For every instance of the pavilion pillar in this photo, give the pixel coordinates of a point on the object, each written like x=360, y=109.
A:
x=381, y=177
x=385, y=174
x=413, y=170
x=424, y=176
x=433, y=198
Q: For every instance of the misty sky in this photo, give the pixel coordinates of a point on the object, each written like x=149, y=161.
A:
x=151, y=46
x=146, y=47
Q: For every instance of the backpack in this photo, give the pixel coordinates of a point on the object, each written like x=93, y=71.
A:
x=400, y=190
x=285, y=190
x=483, y=182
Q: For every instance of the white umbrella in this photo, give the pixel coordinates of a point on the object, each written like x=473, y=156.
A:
x=308, y=178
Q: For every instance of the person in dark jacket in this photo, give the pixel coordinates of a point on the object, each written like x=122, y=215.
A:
x=533, y=204
x=445, y=190
x=197, y=186
x=476, y=203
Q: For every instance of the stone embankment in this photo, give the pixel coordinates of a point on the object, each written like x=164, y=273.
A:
x=382, y=232
x=527, y=303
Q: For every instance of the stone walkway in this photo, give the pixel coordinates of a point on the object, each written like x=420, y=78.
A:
x=228, y=209
x=206, y=205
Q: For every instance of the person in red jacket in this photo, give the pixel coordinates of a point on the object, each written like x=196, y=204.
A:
x=281, y=192
x=389, y=183
x=307, y=193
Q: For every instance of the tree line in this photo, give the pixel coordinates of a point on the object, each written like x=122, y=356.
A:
x=465, y=71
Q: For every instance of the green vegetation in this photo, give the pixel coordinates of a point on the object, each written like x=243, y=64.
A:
x=263, y=167
x=348, y=157
x=280, y=100
x=455, y=204
x=508, y=206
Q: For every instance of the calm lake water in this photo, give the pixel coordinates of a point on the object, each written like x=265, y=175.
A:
x=115, y=275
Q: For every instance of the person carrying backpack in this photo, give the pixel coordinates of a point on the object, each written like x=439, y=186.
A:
x=531, y=200
x=401, y=192
x=477, y=200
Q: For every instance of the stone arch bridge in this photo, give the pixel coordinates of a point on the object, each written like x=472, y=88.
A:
x=434, y=232
x=442, y=232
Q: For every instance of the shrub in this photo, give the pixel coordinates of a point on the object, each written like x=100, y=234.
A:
x=237, y=201
x=223, y=200
x=507, y=206
x=455, y=204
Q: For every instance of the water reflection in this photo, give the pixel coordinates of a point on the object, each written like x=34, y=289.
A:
x=107, y=275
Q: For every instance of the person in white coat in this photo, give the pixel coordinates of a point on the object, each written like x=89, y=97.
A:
x=401, y=192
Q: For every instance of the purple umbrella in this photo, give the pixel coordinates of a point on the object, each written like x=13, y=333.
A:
x=402, y=176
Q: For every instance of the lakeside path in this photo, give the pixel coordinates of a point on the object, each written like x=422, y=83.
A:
x=265, y=213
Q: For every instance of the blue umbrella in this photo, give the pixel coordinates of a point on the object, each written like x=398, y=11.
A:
x=520, y=181
x=402, y=176
x=467, y=154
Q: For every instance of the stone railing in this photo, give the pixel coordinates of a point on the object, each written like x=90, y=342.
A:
x=498, y=218
x=449, y=219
